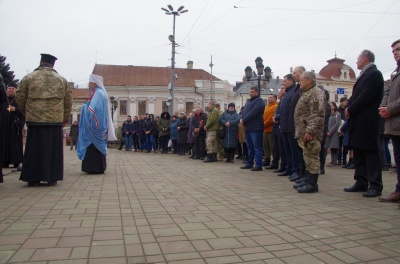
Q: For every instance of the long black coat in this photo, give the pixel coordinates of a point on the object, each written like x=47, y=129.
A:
x=363, y=107
x=182, y=132
x=231, y=132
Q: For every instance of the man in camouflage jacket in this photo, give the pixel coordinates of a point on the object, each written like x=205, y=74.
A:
x=309, y=119
x=45, y=99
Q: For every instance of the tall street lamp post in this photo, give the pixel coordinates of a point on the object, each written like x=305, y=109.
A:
x=170, y=11
x=114, y=105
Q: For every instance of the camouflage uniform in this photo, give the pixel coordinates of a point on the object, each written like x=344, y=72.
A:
x=44, y=96
x=220, y=150
x=309, y=118
x=212, y=127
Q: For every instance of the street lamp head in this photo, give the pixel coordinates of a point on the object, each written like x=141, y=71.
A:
x=165, y=10
x=267, y=73
x=170, y=7
x=180, y=8
x=171, y=38
x=115, y=104
x=259, y=66
x=184, y=11
x=112, y=99
x=248, y=72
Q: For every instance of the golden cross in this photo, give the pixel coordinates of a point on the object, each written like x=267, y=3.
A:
x=9, y=108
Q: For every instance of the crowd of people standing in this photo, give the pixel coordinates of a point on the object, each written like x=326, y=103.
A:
x=290, y=135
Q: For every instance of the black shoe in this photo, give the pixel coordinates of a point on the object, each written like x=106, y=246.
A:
x=372, y=193
x=279, y=170
x=351, y=166
x=299, y=185
x=308, y=188
x=322, y=172
x=285, y=173
x=33, y=184
x=300, y=180
x=257, y=169
x=295, y=176
x=196, y=158
x=271, y=167
x=52, y=183
x=266, y=163
x=245, y=167
x=356, y=188
x=238, y=157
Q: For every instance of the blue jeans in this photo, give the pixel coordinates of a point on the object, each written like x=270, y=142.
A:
x=254, y=141
x=128, y=142
x=150, y=142
x=291, y=153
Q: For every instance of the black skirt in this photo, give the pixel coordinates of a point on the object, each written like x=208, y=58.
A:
x=94, y=161
x=44, y=154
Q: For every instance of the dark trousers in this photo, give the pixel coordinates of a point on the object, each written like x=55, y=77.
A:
x=387, y=151
x=135, y=140
x=292, y=153
x=282, y=153
x=164, y=142
x=368, y=169
x=199, y=145
x=342, y=153
x=275, y=152
x=396, y=150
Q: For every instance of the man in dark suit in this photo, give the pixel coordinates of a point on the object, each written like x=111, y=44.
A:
x=363, y=123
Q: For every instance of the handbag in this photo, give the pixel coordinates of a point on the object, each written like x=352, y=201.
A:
x=221, y=134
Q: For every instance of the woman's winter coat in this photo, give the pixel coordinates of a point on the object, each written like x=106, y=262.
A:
x=231, y=132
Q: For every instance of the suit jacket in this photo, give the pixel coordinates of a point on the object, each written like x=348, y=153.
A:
x=363, y=105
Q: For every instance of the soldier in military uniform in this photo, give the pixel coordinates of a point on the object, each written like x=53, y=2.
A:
x=45, y=99
x=309, y=119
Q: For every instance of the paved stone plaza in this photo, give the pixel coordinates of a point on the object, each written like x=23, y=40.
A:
x=155, y=208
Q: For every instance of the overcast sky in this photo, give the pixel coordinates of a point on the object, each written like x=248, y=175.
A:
x=284, y=33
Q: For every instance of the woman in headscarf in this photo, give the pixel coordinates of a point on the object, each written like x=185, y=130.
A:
x=230, y=122
x=95, y=128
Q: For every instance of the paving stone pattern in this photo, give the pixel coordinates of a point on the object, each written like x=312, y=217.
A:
x=157, y=208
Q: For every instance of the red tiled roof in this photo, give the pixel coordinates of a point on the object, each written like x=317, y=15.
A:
x=121, y=75
x=333, y=69
x=80, y=94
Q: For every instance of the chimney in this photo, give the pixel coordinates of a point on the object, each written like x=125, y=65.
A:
x=291, y=69
x=189, y=64
x=277, y=78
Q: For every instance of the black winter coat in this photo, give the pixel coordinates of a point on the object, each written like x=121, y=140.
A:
x=183, y=129
x=363, y=107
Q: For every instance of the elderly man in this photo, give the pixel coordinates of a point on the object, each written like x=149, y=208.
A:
x=253, y=122
x=309, y=119
x=390, y=110
x=45, y=99
x=363, y=125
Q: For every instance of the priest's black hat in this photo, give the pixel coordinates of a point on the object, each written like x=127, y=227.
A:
x=47, y=58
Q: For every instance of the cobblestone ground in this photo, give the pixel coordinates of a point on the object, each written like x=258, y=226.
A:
x=156, y=208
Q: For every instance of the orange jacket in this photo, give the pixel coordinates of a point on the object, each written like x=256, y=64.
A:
x=268, y=114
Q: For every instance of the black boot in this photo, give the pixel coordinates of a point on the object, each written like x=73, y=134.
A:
x=350, y=165
x=208, y=158
x=228, y=155
x=232, y=153
x=311, y=186
x=214, y=157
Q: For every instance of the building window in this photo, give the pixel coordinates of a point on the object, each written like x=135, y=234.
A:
x=70, y=121
x=123, y=107
x=164, y=106
x=79, y=118
x=189, y=107
x=142, y=107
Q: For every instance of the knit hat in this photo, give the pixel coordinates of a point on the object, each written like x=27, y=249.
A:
x=231, y=104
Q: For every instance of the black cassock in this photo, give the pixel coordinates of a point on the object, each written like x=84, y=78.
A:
x=3, y=98
x=11, y=125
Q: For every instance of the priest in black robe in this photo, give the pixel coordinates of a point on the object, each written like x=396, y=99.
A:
x=11, y=126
